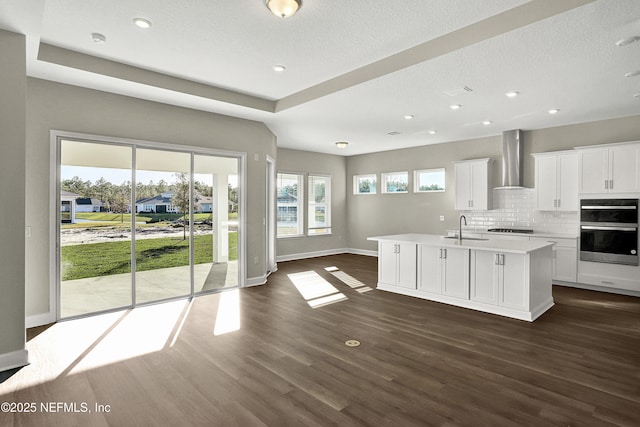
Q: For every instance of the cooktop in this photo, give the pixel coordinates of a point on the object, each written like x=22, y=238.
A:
x=510, y=230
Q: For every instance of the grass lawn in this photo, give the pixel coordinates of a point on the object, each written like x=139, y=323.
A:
x=104, y=259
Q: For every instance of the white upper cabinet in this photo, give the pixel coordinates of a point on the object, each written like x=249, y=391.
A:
x=610, y=169
x=557, y=181
x=472, y=185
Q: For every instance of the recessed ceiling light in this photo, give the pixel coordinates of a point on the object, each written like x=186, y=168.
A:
x=408, y=117
x=279, y=68
x=98, y=38
x=627, y=41
x=142, y=23
x=342, y=144
x=487, y=122
x=455, y=106
x=433, y=132
x=632, y=73
x=512, y=93
x=554, y=111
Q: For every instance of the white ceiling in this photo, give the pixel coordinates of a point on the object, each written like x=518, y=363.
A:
x=354, y=68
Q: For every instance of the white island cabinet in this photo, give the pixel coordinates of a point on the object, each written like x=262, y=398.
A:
x=504, y=277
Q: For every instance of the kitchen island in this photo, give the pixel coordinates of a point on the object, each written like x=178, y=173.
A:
x=504, y=277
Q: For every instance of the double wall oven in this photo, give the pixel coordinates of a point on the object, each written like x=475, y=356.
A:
x=609, y=231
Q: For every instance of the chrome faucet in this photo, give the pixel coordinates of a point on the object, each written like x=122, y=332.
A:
x=460, y=226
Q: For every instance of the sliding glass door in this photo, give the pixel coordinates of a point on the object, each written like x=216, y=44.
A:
x=140, y=225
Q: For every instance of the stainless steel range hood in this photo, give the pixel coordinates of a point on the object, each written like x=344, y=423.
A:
x=512, y=159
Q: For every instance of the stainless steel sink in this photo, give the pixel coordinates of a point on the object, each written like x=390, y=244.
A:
x=465, y=238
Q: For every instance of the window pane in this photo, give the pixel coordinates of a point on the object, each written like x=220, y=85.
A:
x=289, y=204
x=396, y=182
x=319, y=201
x=364, y=184
x=429, y=180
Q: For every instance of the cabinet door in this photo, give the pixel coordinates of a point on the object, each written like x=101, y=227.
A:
x=568, y=183
x=463, y=186
x=594, y=170
x=565, y=262
x=455, y=273
x=484, y=277
x=546, y=180
x=479, y=186
x=407, y=263
x=387, y=262
x=513, y=283
x=430, y=266
x=623, y=163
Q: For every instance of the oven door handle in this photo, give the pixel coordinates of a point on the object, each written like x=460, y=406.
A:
x=608, y=207
x=591, y=227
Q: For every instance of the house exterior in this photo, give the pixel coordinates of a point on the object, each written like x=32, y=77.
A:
x=161, y=203
x=87, y=204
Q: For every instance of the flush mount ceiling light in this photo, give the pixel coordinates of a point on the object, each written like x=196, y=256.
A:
x=279, y=68
x=142, y=23
x=487, y=122
x=455, y=106
x=342, y=144
x=283, y=8
x=627, y=41
x=512, y=94
x=98, y=38
x=554, y=111
x=408, y=117
x=433, y=132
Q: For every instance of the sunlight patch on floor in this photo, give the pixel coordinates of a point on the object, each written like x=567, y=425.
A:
x=228, y=317
x=316, y=290
x=348, y=280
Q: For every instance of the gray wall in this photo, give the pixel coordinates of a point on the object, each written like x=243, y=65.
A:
x=68, y=108
x=380, y=214
x=306, y=162
x=12, y=161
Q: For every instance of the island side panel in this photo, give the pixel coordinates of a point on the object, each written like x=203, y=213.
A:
x=541, y=262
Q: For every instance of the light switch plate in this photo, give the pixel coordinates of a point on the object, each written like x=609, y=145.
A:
x=441, y=217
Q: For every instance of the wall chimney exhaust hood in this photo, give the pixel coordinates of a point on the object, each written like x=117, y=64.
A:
x=512, y=159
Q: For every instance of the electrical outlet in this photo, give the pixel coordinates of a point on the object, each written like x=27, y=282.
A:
x=27, y=231
x=441, y=217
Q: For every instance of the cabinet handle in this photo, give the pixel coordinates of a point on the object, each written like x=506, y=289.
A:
x=397, y=249
x=471, y=203
x=555, y=203
x=440, y=256
x=610, y=184
x=497, y=259
x=501, y=259
x=558, y=202
x=444, y=253
x=606, y=184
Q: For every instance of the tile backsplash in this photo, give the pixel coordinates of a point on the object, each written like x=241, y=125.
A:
x=516, y=208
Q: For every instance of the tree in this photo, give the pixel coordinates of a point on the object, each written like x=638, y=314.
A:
x=181, y=199
x=121, y=196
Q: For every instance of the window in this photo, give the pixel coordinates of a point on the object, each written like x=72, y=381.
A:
x=289, y=204
x=428, y=180
x=364, y=184
x=319, y=205
x=395, y=182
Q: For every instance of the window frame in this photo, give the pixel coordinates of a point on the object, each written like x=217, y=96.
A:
x=311, y=205
x=356, y=183
x=384, y=189
x=299, y=204
x=416, y=180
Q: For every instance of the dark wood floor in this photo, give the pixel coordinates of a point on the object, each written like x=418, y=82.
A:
x=419, y=363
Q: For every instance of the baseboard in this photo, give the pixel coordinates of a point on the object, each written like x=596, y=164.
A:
x=15, y=359
x=314, y=254
x=255, y=281
x=39, y=320
x=362, y=252
x=597, y=288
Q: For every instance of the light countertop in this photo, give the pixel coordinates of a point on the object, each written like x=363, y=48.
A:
x=494, y=245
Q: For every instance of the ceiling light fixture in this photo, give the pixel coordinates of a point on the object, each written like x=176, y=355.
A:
x=632, y=73
x=433, y=132
x=98, y=38
x=554, y=111
x=342, y=144
x=279, y=68
x=283, y=8
x=512, y=94
x=408, y=117
x=455, y=106
x=142, y=23
x=627, y=41
x=487, y=122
